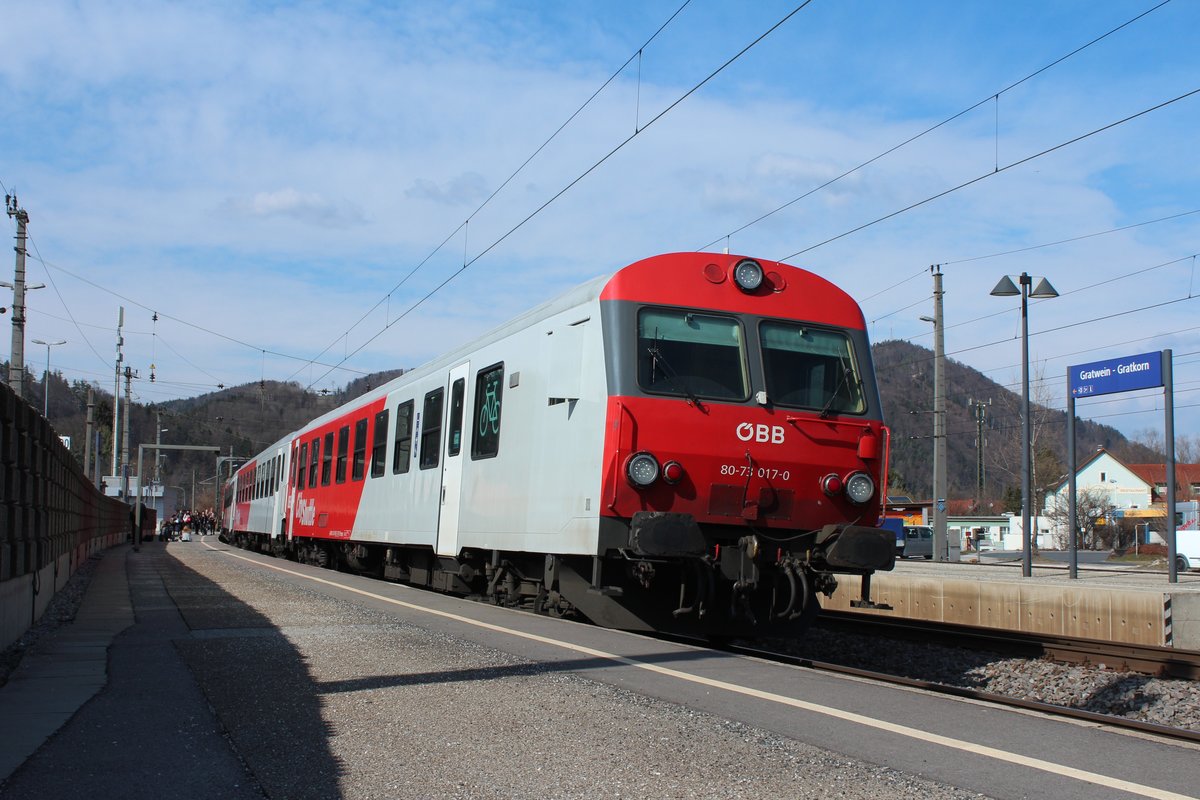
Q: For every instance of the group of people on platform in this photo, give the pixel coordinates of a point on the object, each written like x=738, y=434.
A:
x=202, y=523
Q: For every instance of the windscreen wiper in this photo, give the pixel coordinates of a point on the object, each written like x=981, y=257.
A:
x=847, y=375
x=679, y=383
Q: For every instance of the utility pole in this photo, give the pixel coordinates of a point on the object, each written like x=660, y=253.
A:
x=16, y=364
x=87, y=440
x=939, y=419
x=130, y=374
x=157, y=441
x=980, y=413
x=116, y=428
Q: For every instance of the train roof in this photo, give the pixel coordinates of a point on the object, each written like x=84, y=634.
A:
x=695, y=279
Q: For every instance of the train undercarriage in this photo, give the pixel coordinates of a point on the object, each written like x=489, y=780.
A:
x=747, y=587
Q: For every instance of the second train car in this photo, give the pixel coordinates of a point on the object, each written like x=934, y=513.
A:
x=692, y=444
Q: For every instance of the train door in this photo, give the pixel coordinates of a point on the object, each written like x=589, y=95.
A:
x=447, y=538
x=289, y=492
x=283, y=492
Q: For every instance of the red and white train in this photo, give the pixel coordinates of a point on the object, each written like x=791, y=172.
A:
x=692, y=444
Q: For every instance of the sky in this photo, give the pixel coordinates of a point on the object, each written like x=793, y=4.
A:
x=287, y=185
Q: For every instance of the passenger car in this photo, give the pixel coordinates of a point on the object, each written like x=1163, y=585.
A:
x=918, y=541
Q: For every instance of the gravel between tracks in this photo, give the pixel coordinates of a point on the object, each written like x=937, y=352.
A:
x=1170, y=702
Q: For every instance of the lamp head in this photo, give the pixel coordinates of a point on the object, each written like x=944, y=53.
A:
x=1043, y=291
x=1005, y=288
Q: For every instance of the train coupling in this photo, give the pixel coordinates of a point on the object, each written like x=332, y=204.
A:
x=865, y=601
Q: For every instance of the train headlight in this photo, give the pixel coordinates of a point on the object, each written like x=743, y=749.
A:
x=859, y=487
x=642, y=469
x=748, y=275
x=672, y=472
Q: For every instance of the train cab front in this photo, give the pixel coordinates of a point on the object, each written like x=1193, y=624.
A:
x=745, y=454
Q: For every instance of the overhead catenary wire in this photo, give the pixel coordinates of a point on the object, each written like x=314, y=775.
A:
x=931, y=129
x=576, y=180
x=1097, y=284
x=387, y=298
x=986, y=175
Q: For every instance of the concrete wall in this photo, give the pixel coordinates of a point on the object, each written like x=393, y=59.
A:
x=1135, y=617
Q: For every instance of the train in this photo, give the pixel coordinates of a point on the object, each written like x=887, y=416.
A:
x=692, y=444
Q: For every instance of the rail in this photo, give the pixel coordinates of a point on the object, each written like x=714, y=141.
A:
x=1163, y=662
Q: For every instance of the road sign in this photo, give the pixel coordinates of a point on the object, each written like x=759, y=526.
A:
x=1123, y=374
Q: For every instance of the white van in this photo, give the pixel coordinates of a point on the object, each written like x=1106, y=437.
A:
x=1187, y=550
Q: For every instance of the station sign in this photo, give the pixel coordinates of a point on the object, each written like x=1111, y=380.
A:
x=1123, y=374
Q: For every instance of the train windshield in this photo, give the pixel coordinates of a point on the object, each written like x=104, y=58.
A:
x=810, y=368
x=690, y=354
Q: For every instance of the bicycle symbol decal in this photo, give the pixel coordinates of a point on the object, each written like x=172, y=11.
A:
x=489, y=412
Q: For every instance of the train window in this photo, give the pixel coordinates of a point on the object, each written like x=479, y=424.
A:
x=327, y=460
x=302, y=465
x=489, y=387
x=454, y=444
x=810, y=368
x=431, y=428
x=402, y=455
x=689, y=354
x=379, y=445
x=292, y=466
x=343, y=448
x=359, y=468
x=314, y=460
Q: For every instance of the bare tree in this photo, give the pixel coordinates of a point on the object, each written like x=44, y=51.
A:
x=1187, y=449
x=1093, y=518
x=1151, y=438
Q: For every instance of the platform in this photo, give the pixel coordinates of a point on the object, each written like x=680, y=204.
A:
x=1114, y=603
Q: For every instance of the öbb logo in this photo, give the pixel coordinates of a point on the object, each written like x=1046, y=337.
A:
x=749, y=432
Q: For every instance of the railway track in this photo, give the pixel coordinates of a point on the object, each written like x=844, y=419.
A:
x=1162, y=662
x=1112, y=721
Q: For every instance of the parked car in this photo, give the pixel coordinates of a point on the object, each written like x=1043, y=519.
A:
x=918, y=542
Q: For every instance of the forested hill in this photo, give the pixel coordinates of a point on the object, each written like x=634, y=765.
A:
x=242, y=420
x=905, y=375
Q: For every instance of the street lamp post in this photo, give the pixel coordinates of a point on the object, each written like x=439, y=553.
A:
x=46, y=385
x=1006, y=288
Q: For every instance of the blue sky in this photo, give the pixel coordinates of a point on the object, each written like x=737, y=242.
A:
x=275, y=173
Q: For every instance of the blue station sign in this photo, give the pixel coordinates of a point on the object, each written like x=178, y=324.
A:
x=1124, y=374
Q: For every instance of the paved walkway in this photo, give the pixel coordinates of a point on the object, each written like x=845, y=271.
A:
x=106, y=707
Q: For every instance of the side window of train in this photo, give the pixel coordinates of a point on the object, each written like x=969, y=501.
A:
x=489, y=388
x=358, y=469
x=402, y=455
x=327, y=460
x=431, y=428
x=315, y=459
x=302, y=465
x=292, y=466
x=379, y=445
x=457, y=391
x=343, y=446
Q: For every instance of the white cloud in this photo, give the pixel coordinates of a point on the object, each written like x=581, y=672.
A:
x=307, y=207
